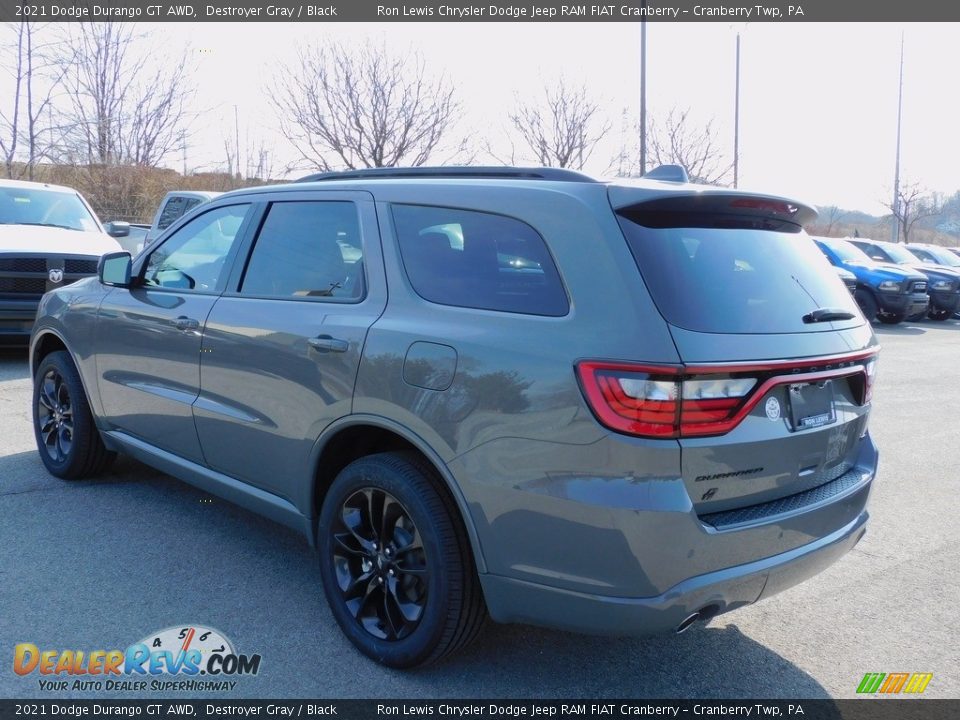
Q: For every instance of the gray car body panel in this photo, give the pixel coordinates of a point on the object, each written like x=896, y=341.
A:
x=571, y=524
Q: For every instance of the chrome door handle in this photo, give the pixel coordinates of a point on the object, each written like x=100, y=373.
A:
x=185, y=323
x=325, y=343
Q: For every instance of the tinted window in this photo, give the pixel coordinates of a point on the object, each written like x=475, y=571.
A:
x=307, y=249
x=193, y=257
x=175, y=209
x=478, y=260
x=760, y=277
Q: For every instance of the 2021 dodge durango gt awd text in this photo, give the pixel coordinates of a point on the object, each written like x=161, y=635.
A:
x=611, y=407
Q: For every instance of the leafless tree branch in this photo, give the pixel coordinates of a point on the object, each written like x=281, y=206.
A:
x=560, y=129
x=346, y=108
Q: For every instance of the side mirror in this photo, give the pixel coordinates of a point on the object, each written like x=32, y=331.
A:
x=118, y=228
x=114, y=269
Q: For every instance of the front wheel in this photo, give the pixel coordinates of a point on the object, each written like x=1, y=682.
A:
x=67, y=438
x=868, y=306
x=396, y=563
x=940, y=315
x=891, y=318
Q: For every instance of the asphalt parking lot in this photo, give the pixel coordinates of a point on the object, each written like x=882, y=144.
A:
x=101, y=564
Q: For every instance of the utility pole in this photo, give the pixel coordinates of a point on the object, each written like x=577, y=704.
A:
x=895, y=230
x=736, y=119
x=643, y=92
x=236, y=127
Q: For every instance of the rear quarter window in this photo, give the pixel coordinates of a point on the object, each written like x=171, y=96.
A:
x=478, y=260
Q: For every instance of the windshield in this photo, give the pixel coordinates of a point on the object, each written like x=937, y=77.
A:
x=47, y=208
x=899, y=254
x=848, y=252
x=943, y=257
x=758, y=277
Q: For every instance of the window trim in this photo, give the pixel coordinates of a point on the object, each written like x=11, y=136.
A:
x=236, y=289
x=405, y=275
x=228, y=261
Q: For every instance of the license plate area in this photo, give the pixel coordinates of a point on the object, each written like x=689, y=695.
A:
x=811, y=404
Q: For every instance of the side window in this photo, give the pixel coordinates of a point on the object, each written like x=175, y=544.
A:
x=171, y=211
x=193, y=257
x=307, y=249
x=478, y=260
x=923, y=255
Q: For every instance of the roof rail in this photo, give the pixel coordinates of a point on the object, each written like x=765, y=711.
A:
x=668, y=173
x=453, y=171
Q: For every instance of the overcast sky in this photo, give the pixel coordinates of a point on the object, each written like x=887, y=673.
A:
x=818, y=101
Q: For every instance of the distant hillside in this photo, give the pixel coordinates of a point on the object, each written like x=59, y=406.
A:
x=943, y=229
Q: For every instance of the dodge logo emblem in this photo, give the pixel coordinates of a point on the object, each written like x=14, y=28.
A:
x=56, y=275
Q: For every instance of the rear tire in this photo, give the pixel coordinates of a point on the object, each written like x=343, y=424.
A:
x=940, y=315
x=396, y=563
x=868, y=306
x=67, y=438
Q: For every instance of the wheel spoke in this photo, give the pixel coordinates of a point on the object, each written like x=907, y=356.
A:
x=411, y=611
x=343, y=543
x=64, y=441
x=352, y=519
x=390, y=608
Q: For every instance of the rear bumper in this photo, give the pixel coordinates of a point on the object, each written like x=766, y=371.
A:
x=511, y=600
x=16, y=320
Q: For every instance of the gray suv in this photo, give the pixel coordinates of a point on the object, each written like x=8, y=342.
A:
x=611, y=407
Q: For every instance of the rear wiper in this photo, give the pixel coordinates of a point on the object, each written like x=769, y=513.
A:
x=826, y=314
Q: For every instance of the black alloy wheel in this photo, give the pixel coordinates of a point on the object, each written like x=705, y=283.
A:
x=381, y=564
x=55, y=416
x=67, y=437
x=396, y=562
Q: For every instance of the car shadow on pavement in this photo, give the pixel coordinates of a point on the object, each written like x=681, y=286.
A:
x=704, y=662
x=170, y=554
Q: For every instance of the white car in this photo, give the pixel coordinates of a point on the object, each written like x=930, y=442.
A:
x=49, y=237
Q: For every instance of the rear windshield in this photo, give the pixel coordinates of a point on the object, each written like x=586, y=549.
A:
x=730, y=274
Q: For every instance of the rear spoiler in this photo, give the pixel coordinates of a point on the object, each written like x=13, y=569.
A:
x=695, y=200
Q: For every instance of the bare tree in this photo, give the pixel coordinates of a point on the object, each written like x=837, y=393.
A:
x=914, y=203
x=35, y=82
x=345, y=107
x=677, y=140
x=122, y=111
x=560, y=129
x=828, y=218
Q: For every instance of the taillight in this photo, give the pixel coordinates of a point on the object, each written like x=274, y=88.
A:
x=655, y=402
x=870, y=368
x=672, y=401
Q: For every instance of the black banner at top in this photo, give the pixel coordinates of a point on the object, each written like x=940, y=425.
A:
x=478, y=11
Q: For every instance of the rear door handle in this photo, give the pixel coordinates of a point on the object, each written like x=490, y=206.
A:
x=325, y=343
x=185, y=323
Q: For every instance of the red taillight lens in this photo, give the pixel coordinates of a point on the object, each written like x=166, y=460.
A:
x=655, y=402
x=630, y=399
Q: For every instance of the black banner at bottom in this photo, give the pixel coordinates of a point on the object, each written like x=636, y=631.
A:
x=208, y=709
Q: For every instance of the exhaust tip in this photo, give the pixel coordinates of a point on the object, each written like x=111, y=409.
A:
x=687, y=622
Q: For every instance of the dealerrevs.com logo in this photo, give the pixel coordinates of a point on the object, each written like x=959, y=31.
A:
x=200, y=658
